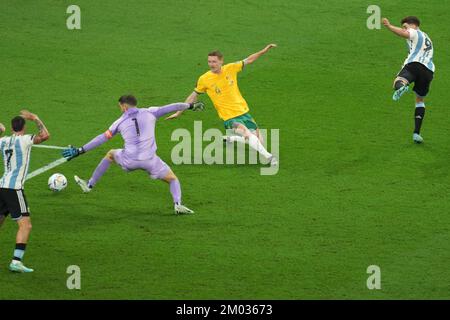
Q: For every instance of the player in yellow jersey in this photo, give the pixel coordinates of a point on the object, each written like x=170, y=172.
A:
x=220, y=83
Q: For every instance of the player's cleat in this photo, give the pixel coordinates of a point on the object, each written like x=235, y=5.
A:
x=273, y=161
x=17, y=266
x=83, y=184
x=417, y=138
x=398, y=93
x=180, y=209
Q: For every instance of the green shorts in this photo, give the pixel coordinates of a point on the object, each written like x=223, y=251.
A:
x=246, y=119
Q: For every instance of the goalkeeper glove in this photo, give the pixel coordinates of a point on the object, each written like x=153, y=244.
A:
x=72, y=152
x=197, y=106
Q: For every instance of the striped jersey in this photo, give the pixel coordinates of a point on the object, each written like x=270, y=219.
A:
x=420, y=49
x=15, y=151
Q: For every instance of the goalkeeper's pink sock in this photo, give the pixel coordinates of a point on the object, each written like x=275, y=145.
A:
x=99, y=172
x=175, y=190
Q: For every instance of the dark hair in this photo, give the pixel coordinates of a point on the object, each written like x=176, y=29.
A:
x=128, y=99
x=411, y=20
x=17, y=123
x=216, y=53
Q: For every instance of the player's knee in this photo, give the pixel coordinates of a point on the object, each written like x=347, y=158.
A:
x=251, y=134
x=170, y=176
x=110, y=155
x=26, y=225
x=244, y=132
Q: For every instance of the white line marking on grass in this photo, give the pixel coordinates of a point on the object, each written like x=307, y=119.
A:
x=48, y=147
x=46, y=168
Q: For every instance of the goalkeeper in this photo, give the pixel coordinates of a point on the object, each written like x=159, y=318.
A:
x=137, y=128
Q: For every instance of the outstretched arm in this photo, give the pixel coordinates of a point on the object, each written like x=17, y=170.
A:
x=179, y=107
x=158, y=112
x=97, y=141
x=191, y=99
x=43, y=134
x=398, y=31
x=73, y=152
x=252, y=58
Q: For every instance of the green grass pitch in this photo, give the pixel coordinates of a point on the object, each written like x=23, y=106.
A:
x=352, y=190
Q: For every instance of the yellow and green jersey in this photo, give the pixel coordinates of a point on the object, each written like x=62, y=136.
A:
x=223, y=90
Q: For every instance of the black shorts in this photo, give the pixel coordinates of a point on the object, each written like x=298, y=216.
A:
x=13, y=202
x=420, y=75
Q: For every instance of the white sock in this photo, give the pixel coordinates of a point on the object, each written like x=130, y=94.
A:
x=236, y=138
x=255, y=144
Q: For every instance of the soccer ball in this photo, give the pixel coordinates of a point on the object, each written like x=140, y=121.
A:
x=57, y=182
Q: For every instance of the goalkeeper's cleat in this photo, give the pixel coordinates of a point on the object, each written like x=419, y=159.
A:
x=398, y=93
x=83, y=184
x=180, y=209
x=17, y=266
x=417, y=138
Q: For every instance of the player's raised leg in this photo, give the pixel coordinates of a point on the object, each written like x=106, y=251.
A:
x=22, y=237
x=401, y=86
x=175, y=190
x=102, y=167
